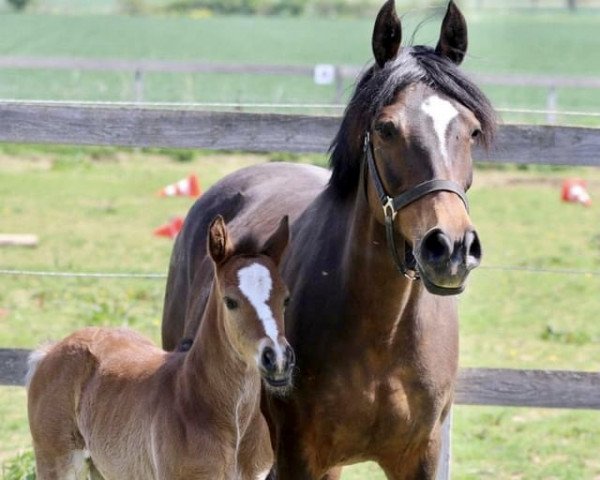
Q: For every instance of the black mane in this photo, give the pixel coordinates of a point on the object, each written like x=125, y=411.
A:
x=378, y=87
x=248, y=245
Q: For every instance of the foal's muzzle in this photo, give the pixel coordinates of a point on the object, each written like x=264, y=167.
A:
x=276, y=366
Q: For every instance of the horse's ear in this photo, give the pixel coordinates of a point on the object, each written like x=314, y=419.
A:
x=453, y=36
x=277, y=243
x=219, y=245
x=387, y=34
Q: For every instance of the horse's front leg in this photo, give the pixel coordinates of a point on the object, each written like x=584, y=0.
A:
x=291, y=459
x=333, y=474
x=421, y=465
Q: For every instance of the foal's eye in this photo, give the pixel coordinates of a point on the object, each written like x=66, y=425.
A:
x=230, y=303
x=386, y=130
x=475, y=134
x=286, y=302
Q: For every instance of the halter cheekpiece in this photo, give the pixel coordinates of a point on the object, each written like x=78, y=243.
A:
x=392, y=205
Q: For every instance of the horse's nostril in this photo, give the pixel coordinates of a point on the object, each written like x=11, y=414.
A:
x=472, y=249
x=436, y=246
x=269, y=359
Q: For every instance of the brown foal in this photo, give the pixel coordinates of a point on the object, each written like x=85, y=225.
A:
x=109, y=404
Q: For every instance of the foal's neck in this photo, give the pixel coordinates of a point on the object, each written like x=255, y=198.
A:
x=213, y=372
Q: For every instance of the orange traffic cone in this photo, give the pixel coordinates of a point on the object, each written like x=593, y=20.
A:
x=170, y=229
x=574, y=190
x=186, y=187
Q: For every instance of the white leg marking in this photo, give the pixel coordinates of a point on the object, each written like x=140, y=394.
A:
x=256, y=285
x=442, y=112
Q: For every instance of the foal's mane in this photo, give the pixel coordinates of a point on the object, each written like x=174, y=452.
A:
x=378, y=87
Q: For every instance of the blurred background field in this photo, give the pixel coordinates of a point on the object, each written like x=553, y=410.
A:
x=94, y=208
x=550, y=42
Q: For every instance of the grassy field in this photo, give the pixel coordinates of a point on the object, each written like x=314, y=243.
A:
x=509, y=319
x=500, y=42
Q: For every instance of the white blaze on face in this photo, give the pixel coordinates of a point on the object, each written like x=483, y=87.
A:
x=442, y=112
x=256, y=284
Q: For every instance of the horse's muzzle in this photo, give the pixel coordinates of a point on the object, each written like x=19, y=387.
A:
x=445, y=262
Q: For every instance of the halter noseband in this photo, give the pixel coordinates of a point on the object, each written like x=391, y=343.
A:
x=392, y=205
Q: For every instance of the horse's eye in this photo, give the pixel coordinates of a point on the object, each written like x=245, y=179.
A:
x=386, y=130
x=286, y=302
x=475, y=134
x=230, y=303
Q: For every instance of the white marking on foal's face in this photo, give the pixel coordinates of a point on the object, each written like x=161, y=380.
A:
x=442, y=112
x=256, y=284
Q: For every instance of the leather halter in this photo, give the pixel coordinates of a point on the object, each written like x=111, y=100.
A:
x=392, y=205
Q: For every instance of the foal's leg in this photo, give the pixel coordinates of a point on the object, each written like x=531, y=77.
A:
x=66, y=466
x=255, y=456
x=52, y=405
x=94, y=473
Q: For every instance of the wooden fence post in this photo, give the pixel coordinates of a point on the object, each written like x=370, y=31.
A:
x=339, y=86
x=443, y=472
x=138, y=85
x=551, y=105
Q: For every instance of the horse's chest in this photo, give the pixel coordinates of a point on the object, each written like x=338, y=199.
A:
x=366, y=413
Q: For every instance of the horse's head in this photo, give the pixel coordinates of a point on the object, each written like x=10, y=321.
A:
x=409, y=128
x=253, y=297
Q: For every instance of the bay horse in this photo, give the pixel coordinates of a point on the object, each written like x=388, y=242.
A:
x=382, y=246
x=108, y=402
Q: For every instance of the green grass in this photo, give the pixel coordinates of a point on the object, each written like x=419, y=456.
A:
x=95, y=209
x=556, y=43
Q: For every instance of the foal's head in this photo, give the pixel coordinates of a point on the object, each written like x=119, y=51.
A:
x=254, y=298
x=419, y=115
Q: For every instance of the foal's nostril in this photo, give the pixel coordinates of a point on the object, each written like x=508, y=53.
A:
x=269, y=359
x=290, y=358
x=472, y=249
x=436, y=246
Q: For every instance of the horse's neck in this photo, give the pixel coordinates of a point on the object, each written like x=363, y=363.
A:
x=370, y=278
x=214, y=374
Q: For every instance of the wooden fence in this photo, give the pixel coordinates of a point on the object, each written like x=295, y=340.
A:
x=343, y=75
x=138, y=126
x=476, y=386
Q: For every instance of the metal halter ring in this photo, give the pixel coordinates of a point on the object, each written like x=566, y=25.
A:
x=388, y=208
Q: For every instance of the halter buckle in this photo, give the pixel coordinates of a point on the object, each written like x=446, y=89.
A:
x=388, y=208
x=411, y=275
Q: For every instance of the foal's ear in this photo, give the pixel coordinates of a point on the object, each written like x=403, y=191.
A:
x=453, y=36
x=219, y=245
x=387, y=34
x=277, y=243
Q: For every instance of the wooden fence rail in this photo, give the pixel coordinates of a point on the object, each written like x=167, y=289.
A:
x=139, y=126
x=476, y=386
